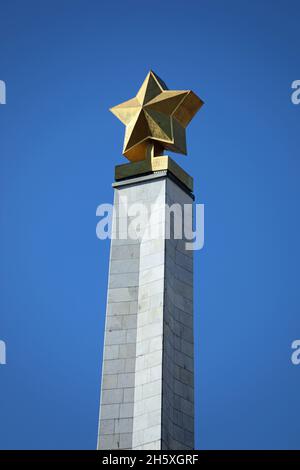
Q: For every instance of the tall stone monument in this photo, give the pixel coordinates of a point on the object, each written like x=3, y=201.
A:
x=147, y=392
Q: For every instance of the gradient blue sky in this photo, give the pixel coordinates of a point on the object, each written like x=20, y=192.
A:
x=65, y=63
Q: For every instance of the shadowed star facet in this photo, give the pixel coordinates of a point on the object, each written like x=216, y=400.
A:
x=156, y=114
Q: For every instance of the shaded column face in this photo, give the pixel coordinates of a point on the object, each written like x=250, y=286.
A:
x=147, y=383
x=178, y=331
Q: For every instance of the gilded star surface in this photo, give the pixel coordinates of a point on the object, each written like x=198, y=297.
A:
x=156, y=115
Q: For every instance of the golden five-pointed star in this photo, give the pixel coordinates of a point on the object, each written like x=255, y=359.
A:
x=156, y=115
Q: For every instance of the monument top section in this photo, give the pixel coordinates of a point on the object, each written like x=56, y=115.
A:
x=156, y=119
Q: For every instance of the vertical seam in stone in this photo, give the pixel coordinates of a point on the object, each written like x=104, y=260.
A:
x=163, y=328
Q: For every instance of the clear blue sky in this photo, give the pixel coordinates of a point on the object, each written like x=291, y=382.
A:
x=65, y=63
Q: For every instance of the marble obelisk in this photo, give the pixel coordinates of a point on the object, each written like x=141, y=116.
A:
x=147, y=390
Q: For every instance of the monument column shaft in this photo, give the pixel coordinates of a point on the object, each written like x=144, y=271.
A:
x=147, y=392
